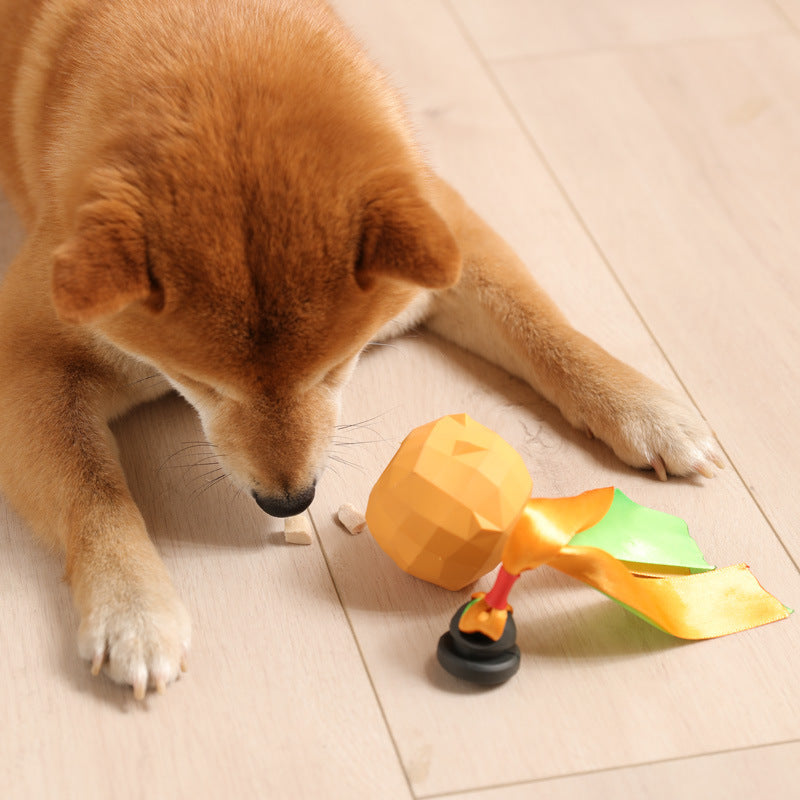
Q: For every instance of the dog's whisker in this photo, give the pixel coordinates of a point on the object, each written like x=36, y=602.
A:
x=365, y=422
x=341, y=460
x=379, y=437
x=192, y=446
x=208, y=472
x=355, y=426
x=209, y=458
x=193, y=464
x=329, y=468
x=356, y=442
x=206, y=486
x=344, y=461
x=206, y=475
x=214, y=482
x=187, y=447
x=155, y=376
x=190, y=449
x=343, y=438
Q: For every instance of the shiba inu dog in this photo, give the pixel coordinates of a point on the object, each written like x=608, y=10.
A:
x=227, y=192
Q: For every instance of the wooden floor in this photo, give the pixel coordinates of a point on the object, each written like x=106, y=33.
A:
x=644, y=158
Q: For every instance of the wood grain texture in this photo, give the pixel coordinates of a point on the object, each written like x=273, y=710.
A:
x=682, y=162
x=652, y=193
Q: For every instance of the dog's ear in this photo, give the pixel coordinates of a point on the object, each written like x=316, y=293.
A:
x=103, y=267
x=404, y=238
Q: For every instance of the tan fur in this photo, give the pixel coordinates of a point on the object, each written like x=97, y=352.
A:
x=228, y=193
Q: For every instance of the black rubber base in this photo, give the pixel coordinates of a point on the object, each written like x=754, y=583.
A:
x=477, y=658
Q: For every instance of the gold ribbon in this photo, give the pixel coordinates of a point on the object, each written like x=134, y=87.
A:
x=701, y=606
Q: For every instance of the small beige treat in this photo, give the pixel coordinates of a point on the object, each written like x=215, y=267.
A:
x=352, y=518
x=297, y=530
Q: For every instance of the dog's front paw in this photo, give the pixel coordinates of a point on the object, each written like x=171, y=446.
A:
x=138, y=636
x=649, y=428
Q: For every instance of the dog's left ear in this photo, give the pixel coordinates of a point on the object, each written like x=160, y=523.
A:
x=102, y=268
x=403, y=237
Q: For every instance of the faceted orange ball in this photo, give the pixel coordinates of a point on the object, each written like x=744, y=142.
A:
x=444, y=504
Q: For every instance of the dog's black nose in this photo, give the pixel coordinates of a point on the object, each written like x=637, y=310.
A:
x=287, y=505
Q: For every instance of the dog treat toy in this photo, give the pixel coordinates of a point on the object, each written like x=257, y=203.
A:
x=297, y=530
x=455, y=501
x=352, y=519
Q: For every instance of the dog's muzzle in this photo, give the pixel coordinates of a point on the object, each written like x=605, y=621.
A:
x=288, y=505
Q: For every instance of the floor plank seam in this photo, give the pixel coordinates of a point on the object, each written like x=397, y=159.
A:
x=603, y=770
x=350, y=625
x=763, y=513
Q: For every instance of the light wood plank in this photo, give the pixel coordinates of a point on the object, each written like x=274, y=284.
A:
x=592, y=676
x=683, y=163
x=763, y=772
x=511, y=28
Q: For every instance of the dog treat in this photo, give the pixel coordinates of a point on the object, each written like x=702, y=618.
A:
x=351, y=518
x=297, y=530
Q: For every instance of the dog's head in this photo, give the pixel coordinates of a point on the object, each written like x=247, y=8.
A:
x=251, y=273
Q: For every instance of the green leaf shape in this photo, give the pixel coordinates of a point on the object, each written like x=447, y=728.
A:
x=643, y=536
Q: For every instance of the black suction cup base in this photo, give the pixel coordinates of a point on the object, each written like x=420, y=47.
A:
x=486, y=672
x=477, y=658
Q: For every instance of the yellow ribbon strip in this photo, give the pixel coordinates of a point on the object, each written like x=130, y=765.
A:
x=700, y=606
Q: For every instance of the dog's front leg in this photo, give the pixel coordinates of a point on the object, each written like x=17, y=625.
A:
x=498, y=311
x=60, y=470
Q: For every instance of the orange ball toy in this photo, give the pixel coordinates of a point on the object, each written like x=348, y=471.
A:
x=444, y=504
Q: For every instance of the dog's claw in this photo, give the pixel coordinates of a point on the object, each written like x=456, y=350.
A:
x=97, y=662
x=138, y=642
x=702, y=468
x=139, y=682
x=709, y=458
x=657, y=463
x=139, y=690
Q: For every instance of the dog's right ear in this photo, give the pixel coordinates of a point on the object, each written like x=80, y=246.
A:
x=102, y=267
x=404, y=238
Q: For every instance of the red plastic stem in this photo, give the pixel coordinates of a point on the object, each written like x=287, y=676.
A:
x=498, y=596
